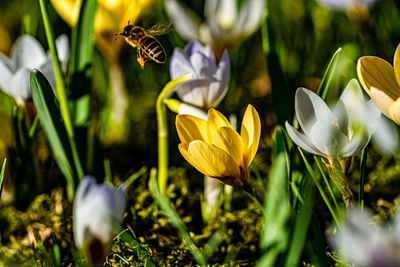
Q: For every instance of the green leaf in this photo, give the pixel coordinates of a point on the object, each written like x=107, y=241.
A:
x=2, y=173
x=80, y=68
x=330, y=70
x=275, y=237
x=53, y=126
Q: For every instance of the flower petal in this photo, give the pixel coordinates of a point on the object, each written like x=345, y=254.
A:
x=19, y=85
x=6, y=71
x=28, y=52
x=192, y=110
x=250, y=133
x=310, y=108
x=378, y=73
x=229, y=141
x=359, y=141
x=203, y=65
x=62, y=44
x=396, y=64
x=186, y=22
x=219, y=87
x=194, y=92
x=209, y=160
x=180, y=65
x=384, y=136
x=191, y=128
x=302, y=141
x=215, y=121
x=250, y=17
x=196, y=47
x=327, y=138
x=381, y=100
x=394, y=111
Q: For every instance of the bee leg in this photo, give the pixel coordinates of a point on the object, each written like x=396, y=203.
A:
x=141, y=57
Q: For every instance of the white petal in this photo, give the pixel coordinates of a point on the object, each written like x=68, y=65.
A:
x=327, y=138
x=28, y=52
x=196, y=47
x=302, y=141
x=219, y=88
x=310, y=108
x=385, y=138
x=47, y=70
x=250, y=17
x=180, y=65
x=19, y=86
x=359, y=141
x=194, y=91
x=6, y=71
x=191, y=110
x=201, y=64
x=186, y=22
x=63, y=50
x=226, y=14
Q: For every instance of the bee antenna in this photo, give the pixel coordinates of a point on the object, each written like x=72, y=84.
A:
x=116, y=36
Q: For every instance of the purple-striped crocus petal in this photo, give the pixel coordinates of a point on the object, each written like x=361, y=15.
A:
x=180, y=65
x=220, y=81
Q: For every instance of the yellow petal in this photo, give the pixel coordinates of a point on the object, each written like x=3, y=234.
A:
x=191, y=128
x=229, y=141
x=250, y=133
x=68, y=9
x=209, y=160
x=394, y=111
x=215, y=120
x=396, y=64
x=381, y=100
x=378, y=73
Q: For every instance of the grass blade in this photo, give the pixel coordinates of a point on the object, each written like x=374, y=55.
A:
x=330, y=70
x=53, y=126
x=2, y=174
x=363, y=166
x=176, y=221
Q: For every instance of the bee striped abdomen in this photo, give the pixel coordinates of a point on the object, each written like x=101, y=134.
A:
x=153, y=48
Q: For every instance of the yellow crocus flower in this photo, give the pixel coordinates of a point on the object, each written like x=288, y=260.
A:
x=215, y=149
x=381, y=81
x=111, y=17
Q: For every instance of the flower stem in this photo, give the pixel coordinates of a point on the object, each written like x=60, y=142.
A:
x=162, y=127
x=60, y=91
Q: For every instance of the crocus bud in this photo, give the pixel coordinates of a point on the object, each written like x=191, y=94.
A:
x=98, y=210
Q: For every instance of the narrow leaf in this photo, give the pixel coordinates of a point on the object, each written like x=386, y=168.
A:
x=53, y=126
x=2, y=174
x=330, y=70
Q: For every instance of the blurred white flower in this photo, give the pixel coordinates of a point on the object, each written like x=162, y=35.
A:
x=342, y=132
x=347, y=4
x=28, y=54
x=210, y=81
x=224, y=27
x=98, y=210
x=362, y=244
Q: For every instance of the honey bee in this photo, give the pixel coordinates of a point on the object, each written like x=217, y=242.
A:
x=148, y=47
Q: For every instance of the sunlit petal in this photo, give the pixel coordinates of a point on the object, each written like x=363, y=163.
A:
x=394, y=111
x=19, y=85
x=229, y=141
x=219, y=87
x=6, y=71
x=381, y=100
x=327, y=138
x=250, y=133
x=250, y=17
x=378, y=73
x=215, y=121
x=191, y=128
x=359, y=141
x=212, y=161
x=396, y=64
x=28, y=53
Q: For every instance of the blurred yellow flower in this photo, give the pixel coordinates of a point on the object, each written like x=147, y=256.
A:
x=111, y=17
x=381, y=81
x=215, y=149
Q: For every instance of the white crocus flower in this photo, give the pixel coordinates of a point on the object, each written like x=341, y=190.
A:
x=98, y=210
x=210, y=80
x=339, y=133
x=28, y=54
x=224, y=27
x=362, y=244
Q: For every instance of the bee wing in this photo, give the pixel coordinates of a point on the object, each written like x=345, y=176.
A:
x=160, y=28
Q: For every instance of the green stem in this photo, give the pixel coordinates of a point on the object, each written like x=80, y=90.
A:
x=60, y=91
x=328, y=185
x=320, y=188
x=162, y=127
x=364, y=155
